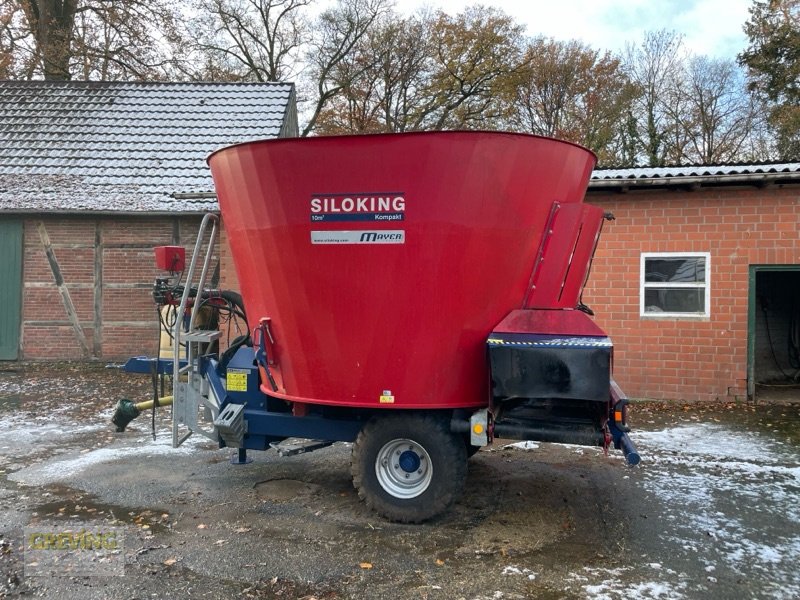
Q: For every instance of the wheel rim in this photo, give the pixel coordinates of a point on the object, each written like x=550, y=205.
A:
x=403, y=468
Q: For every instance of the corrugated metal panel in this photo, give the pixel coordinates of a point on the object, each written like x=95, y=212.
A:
x=694, y=171
x=11, y=288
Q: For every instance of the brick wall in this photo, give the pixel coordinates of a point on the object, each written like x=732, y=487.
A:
x=688, y=359
x=108, y=268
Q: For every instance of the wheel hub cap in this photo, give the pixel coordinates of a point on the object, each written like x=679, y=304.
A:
x=403, y=468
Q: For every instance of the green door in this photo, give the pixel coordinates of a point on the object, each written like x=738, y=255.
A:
x=10, y=287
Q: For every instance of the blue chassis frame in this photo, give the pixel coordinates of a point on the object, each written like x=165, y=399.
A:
x=263, y=425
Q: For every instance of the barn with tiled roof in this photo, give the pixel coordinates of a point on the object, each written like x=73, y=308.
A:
x=92, y=176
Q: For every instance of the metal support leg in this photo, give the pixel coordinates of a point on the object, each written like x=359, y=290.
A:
x=240, y=457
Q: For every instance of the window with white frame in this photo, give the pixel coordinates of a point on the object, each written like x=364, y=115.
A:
x=675, y=284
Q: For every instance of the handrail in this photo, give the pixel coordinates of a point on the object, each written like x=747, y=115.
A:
x=177, y=371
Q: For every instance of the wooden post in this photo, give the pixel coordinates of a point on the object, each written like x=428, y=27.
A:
x=62, y=288
x=98, y=289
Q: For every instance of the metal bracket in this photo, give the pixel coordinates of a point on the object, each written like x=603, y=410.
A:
x=189, y=399
x=231, y=425
x=479, y=428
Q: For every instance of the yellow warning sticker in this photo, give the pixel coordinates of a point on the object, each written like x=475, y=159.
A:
x=387, y=397
x=237, y=380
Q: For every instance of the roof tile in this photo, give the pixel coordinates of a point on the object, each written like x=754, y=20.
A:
x=124, y=146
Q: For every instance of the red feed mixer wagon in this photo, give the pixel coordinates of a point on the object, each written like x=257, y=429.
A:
x=417, y=294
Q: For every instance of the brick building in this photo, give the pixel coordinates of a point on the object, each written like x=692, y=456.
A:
x=92, y=176
x=698, y=279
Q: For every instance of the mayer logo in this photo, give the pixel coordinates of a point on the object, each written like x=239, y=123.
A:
x=373, y=206
x=382, y=237
x=387, y=236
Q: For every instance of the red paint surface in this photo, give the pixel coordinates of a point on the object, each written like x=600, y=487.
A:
x=170, y=258
x=551, y=322
x=560, y=272
x=351, y=321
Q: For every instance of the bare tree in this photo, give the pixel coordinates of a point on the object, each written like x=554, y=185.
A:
x=674, y=110
x=653, y=66
x=127, y=39
x=475, y=55
x=430, y=71
x=383, y=80
x=721, y=115
x=94, y=39
x=15, y=56
x=257, y=40
x=773, y=62
x=50, y=23
x=405, y=68
x=571, y=91
x=338, y=32
x=278, y=40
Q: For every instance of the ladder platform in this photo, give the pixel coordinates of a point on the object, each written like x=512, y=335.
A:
x=293, y=446
x=202, y=336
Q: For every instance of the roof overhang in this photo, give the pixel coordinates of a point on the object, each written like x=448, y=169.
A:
x=691, y=181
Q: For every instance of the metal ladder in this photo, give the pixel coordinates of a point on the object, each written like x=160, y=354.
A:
x=190, y=389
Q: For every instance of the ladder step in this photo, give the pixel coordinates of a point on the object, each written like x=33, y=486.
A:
x=202, y=336
x=292, y=446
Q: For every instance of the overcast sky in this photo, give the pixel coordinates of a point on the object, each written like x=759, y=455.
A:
x=711, y=27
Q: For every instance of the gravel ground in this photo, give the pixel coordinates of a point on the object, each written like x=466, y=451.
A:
x=711, y=512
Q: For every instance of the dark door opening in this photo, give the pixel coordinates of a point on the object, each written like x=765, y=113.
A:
x=10, y=288
x=774, y=334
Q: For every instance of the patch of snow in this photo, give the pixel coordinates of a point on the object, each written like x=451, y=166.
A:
x=20, y=432
x=709, y=439
x=514, y=570
x=60, y=469
x=614, y=584
x=523, y=445
x=703, y=475
x=8, y=388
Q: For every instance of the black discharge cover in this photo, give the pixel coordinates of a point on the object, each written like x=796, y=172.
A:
x=527, y=365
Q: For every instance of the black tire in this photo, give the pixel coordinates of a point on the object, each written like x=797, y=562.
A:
x=472, y=450
x=424, y=436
